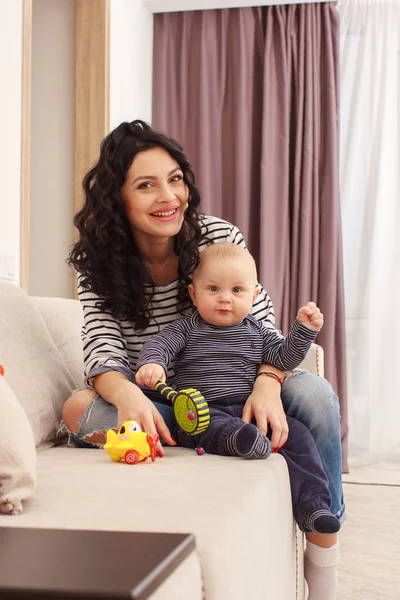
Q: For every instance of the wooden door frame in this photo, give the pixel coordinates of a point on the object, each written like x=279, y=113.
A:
x=92, y=86
x=92, y=89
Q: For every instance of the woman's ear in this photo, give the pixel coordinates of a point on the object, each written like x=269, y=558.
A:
x=256, y=292
x=192, y=293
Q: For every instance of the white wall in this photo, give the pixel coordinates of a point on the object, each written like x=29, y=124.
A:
x=131, y=62
x=10, y=127
x=52, y=146
x=131, y=65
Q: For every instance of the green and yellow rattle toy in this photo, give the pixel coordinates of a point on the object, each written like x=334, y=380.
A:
x=190, y=408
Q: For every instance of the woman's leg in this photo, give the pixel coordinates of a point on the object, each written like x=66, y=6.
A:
x=87, y=417
x=311, y=400
x=73, y=410
x=308, y=482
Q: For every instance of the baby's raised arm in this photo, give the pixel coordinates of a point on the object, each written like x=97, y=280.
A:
x=310, y=316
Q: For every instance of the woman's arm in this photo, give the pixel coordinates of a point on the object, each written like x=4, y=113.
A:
x=103, y=344
x=108, y=370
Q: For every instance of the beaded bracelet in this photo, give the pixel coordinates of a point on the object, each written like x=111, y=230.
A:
x=273, y=375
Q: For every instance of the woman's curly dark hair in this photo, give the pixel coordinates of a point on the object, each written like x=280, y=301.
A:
x=106, y=255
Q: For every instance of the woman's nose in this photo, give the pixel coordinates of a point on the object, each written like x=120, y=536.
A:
x=166, y=194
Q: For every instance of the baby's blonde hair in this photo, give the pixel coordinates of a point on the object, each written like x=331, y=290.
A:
x=226, y=250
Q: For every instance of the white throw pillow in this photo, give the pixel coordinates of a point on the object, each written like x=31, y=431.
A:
x=35, y=369
x=17, y=452
x=64, y=319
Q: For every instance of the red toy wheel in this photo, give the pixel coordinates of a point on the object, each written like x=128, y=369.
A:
x=131, y=457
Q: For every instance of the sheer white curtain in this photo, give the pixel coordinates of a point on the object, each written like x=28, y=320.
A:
x=370, y=196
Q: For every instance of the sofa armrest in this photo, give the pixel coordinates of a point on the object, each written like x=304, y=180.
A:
x=314, y=361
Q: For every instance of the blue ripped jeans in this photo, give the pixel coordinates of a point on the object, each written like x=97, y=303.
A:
x=311, y=400
x=306, y=397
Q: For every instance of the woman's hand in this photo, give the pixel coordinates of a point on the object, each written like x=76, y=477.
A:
x=131, y=403
x=149, y=374
x=139, y=408
x=265, y=406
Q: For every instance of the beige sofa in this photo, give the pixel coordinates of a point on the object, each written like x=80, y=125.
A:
x=247, y=545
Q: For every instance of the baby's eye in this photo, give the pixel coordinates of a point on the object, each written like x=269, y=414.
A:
x=237, y=289
x=212, y=288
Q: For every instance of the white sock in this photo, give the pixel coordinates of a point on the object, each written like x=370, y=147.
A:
x=320, y=571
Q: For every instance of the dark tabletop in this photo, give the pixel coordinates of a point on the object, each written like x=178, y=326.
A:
x=62, y=563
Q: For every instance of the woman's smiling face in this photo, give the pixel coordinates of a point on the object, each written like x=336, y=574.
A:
x=155, y=195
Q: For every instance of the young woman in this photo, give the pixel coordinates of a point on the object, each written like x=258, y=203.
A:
x=139, y=239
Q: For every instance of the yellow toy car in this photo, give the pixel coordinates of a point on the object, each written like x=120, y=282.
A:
x=131, y=444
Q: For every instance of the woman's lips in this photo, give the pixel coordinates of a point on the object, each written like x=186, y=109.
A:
x=165, y=215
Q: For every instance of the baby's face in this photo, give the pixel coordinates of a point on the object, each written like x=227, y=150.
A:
x=223, y=290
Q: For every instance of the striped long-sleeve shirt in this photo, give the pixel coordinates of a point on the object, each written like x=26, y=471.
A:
x=222, y=362
x=110, y=344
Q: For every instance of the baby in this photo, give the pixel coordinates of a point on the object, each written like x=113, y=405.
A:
x=218, y=350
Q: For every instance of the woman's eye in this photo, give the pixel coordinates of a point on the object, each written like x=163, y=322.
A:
x=144, y=186
x=176, y=178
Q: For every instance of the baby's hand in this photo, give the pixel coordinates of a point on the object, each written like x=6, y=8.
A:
x=149, y=374
x=310, y=316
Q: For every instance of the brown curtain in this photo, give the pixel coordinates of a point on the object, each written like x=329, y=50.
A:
x=252, y=95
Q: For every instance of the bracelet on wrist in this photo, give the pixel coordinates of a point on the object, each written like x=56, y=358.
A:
x=272, y=375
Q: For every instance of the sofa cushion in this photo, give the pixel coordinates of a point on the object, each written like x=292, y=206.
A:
x=17, y=452
x=35, y=369
x=239, y=511
x=64, y=320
